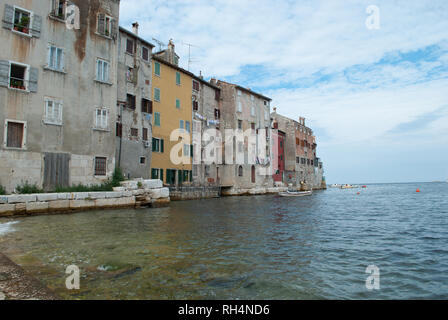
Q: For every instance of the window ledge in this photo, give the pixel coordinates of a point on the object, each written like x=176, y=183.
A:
x=103, y=35
x=53, y=17
x=47, y=68
x=59, y=124
x=103, y=82
x=26, y=35
x=19, y=90
x=14, y=149
x=101, y=129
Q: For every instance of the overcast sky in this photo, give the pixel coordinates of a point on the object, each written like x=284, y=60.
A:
x=377, y=99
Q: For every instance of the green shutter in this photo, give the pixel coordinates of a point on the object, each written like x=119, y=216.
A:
x=161, y=174
x=157, y=68
x=162, y=146
x=157, y=94
x=153, y=173
x=157, y=119
x=153, y=144
x=177, y=103
x=177, y=78
x=191, y=150
x=191, y=175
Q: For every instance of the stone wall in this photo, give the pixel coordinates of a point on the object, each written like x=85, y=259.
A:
x=132, y=194
x=194, y=193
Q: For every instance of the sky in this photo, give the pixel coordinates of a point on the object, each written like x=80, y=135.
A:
x=373, y=85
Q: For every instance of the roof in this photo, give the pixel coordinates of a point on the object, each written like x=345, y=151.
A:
x=195, y=77
x=248, y=90
x=132, y=34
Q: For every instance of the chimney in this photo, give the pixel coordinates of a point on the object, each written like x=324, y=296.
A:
x=200, y=75
x=213, y=81
x=275, y=109
x=135, y=28
x=171, y=45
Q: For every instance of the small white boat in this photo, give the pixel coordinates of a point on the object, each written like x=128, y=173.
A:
x=295, y=193
x=348, y=186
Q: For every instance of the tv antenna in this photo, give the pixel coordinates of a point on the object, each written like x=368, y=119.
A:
x=189, y=45
x=160, y=43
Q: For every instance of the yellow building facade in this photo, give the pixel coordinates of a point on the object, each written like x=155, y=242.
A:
x=172, y=109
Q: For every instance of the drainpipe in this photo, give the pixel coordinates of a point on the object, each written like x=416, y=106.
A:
x=121, y=135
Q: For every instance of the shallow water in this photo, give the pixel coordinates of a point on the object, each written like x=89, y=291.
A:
x=262, y=247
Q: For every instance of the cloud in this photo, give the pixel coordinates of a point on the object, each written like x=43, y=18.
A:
x=316, y=58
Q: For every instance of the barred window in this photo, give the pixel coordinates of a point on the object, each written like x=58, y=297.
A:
x=100, y=166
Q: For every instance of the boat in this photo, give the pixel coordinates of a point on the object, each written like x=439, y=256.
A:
x=348, y=186
x=335, y=186
x=295, y=193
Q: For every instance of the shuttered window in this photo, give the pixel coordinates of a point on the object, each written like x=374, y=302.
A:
x=177, y=103
x=130, y=46
x=53, y=111
x=145, y=53
x=106, y=25
x=187, y=126
x=100, y=166
x=101, y=118
x=145, y=134
x=14, y=134
x=178, y=78
x=157, y=119
x=134, y=132
x=55, y=58
x=157, y=69
x=146, y=106
x=130, y=103
x=195, y=85
x=157, y=94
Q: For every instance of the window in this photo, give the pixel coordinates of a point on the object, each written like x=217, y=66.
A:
x=157, y=145
x=217, y=114
x=134, y=132
x=240, y=124
x=157, y=174
x=22, y=20
x=15, y=134
x=252, y=111
x=105, y=25
x=145, y=53
x=187, y=126
x=178, y=78
x=145, y=134
x=239, y=92
x=186, y=150
x=157, y=69
x=252, y=126
x=102, y=70
x=118, y=129
x=240, y=171
x=59, y=9
x=146, y=106
x=55, y=58
x=252, y=98
x=157, y=119
x=100, y=166
x=142, y=160
x=217, y=95
x=181, y=124
x=130, y=101
x=130, y=46
x=18, y=76
x=177, y=103
x=195, y=85
x=101, y=116
x=240, y=107
x=53, y=111
x=157, y=94
x=195, y=105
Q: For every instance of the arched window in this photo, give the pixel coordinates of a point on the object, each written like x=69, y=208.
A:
x=240, y=171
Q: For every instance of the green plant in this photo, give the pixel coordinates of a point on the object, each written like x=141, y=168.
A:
x=27, y=188
x=24, y=22
x=2, y=190
x=108, y=185
x=117, y=177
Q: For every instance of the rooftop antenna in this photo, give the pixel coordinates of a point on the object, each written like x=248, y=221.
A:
x=189, y=53
x=160, y=43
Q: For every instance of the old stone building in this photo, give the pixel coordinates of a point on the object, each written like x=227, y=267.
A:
x=302, y=168
x=207, y=140
x=248, y=162
x=134, y=106
x=58, y=91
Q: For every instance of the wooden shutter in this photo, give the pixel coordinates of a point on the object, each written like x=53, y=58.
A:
x=114, y=31
x=4, y=73
x=145, y=134
x=162, y=145
x=37, y=26
x=34, y=75
x=14, y=135
x=8, y=16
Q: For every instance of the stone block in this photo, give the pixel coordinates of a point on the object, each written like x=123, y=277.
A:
x=22, y=198
x=47, y=197
x=110, y=195
x=97, y=195
x=115, y=202
x=64, y=196
x=59, y=205
x=82, y=204
x=36, y=207
x=20, y=208
x=152, y=184
x=7, y=210
x=119, y=189
x=159, y=193
x=138, y=192
x=79, y=196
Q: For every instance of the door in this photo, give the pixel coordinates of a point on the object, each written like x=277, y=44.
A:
x=253, y=174
x=56, y=170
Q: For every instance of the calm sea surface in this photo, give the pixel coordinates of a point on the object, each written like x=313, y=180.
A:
x=262, y=247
